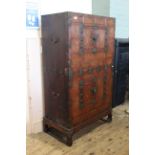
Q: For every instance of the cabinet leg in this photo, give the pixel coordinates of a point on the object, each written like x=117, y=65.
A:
x=69, y=141
x=45, y=128
x=109, y=119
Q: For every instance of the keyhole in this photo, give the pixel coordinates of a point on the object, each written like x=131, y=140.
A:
x=94, y=39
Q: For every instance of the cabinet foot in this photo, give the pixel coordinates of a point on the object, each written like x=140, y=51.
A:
x=69, y=141
x=108, y=118
x=45, y=128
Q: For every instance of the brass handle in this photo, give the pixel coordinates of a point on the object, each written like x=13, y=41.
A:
x=81, y=83
x=93, y=91
x=68, y=73
x=105, y=79
x=94, y=79
x=81, y=51
x=90, y=70
x=55, y=40
x=81, y=95
x=55, y=94
x=94, y=39
x=80, y=72
x=105, y=66
x=98, y=68
x=95, y=26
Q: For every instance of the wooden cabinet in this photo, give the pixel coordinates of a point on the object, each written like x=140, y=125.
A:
x=77, y=57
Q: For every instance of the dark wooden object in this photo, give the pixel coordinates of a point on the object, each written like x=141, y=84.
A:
x=121, y=71
x=77, y=57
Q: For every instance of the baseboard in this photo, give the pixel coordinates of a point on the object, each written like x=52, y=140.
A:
x=28, y=129
x=34, y=127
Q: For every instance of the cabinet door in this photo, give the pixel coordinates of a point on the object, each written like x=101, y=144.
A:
x=88, y=58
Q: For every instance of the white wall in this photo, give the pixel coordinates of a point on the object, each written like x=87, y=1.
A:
x=53, y=6
x=35, y=105
x=35, y=98
x=120, y=10
x=101, y=7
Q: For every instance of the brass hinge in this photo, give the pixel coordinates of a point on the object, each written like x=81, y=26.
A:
x=69, y=73
x=106, y=40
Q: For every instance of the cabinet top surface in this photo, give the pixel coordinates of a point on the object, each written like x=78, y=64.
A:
x=78, y=13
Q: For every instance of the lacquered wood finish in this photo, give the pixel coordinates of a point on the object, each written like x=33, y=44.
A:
x=90, y=64
x=78, y=53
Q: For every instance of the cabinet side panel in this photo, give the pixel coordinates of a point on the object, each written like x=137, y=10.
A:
x=54, y=46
